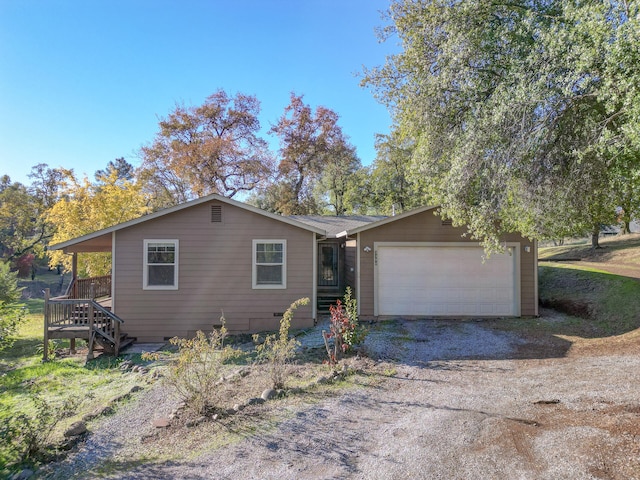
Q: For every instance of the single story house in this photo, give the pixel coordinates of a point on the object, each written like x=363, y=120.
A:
x=179, y=270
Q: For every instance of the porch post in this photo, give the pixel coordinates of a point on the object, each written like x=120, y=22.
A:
x=74, y=274
x=90, y=321
x=45, y=350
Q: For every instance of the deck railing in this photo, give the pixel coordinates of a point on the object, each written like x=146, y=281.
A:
x=61, y=312
x=81, y=287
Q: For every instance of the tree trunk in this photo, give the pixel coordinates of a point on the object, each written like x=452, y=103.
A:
x=595, y=238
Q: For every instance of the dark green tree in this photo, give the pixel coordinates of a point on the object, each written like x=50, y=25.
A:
x=521, y=112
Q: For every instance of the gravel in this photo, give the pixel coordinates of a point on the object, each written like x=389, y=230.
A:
x=462, y=401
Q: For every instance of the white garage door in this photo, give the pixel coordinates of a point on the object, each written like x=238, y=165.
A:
x=447, y=280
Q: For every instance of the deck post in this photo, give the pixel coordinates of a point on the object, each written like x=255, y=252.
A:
x=74, y=275
x=92, y=333
x=45, y=350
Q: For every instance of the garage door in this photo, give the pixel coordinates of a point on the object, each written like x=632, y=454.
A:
x=447, y=280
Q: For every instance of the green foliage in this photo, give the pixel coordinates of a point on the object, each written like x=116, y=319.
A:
x=12, y=312
x=197, y=368
x=27, y=437
x=515, y=107
x=278, y=350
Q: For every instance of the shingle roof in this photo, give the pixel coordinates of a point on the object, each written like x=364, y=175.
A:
x=336, y=224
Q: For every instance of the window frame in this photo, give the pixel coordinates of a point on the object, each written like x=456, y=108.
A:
x=255, y=264
x=145, y=263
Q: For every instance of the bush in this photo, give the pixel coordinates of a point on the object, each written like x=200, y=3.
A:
x=345, y=330
x=27, y=437
x=277, y=350
x=195, y=372
x=11, y=311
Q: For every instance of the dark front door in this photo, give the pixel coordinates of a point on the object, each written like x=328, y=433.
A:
x=328, y=265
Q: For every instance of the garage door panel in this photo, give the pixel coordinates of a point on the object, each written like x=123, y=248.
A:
x=431, y=280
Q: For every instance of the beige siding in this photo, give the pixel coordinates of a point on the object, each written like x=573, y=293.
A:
x=427, y=227
x=350, y=264
x=215, y=274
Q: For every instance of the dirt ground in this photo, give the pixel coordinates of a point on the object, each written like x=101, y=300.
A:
x=436, y=400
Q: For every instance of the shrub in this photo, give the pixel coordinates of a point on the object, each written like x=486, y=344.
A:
x=277, y=350
x=196, y=371
x=27, y=437
x=345, y=330
x=11, y=311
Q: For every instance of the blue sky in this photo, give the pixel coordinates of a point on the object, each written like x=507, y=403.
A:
x=83, y=82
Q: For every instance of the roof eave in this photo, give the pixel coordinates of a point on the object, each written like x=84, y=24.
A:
x=176, y=208
x=387, y=220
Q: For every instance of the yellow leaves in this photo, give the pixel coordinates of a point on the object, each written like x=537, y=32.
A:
x=86, y=207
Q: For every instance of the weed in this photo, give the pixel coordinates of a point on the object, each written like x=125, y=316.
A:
x=277, y=350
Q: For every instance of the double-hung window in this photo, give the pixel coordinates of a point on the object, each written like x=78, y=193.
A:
x=160, y=265
x=269, y=264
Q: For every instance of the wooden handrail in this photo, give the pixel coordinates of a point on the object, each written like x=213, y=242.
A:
x=70, y=312
x=81, y=287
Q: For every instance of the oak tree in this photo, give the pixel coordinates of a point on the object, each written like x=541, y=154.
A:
x=311, y=143
x=210, y=148
x=522, y=112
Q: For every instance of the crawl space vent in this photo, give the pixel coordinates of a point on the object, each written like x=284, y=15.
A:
x=216, y=213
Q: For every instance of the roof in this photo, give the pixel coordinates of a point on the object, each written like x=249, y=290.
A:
x=333, y=225
x=387, y=220
x=100, y=241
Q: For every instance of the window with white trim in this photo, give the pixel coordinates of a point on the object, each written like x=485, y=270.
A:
x=160, y=265
x=269, y=264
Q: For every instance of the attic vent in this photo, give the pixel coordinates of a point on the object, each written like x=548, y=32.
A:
x=216, y=213
x=446, y=222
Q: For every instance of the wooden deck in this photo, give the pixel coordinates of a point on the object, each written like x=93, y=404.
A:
x=88, y=318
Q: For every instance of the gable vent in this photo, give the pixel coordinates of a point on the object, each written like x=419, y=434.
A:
x=446, y=222
x=216, y=213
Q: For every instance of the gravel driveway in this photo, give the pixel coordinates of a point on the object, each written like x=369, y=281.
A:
x=464, y=400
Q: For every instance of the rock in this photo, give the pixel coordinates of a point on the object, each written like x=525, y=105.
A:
x=126, y=365
x=244, y=372
x=268, y=394
x=195, y=422
x=322, y=379
x=135, y=388
x=238, y=407
x=76, y=428
x=255, y=401
x=98, y=412
x=23, y=474
x=143, y=371
x=162, y=422
x=280, y=393
x=135, y=368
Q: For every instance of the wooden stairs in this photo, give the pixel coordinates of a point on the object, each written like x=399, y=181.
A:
x=85, y=319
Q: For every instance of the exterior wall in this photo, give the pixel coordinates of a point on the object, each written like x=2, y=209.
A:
x=350, y=264
x=214, y=274
x=427, y=227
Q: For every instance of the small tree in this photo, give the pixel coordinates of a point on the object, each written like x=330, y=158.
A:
x=196, y=371
x=278, y=350
x=11, y=311
x=345, y=330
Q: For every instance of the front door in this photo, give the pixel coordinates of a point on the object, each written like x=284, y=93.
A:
x=328, y=265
